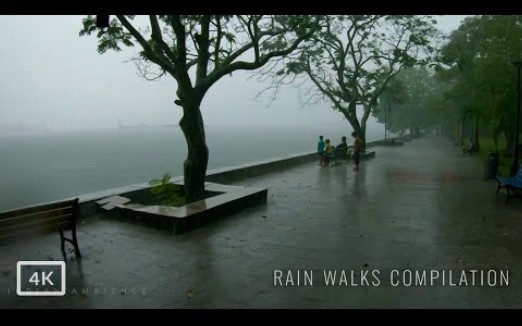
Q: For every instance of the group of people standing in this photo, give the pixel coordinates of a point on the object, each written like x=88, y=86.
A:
x=327, y=152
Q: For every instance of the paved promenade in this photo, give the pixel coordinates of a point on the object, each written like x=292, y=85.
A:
x=422, y=206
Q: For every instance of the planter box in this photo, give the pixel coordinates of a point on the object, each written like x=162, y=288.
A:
x=223, y=200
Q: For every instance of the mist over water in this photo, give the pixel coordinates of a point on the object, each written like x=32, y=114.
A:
x=54, y=82
x=42, y=167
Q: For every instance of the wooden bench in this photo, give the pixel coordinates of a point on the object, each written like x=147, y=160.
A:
x=40, y=220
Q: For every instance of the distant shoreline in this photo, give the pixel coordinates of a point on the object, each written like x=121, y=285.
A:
x=147, y=126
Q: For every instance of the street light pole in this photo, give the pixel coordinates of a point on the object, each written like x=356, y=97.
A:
x=385, y=119
x=514, y=167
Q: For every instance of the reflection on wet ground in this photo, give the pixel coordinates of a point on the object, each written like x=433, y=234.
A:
x=421, y=206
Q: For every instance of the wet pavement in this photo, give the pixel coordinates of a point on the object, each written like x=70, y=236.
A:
x=419, y=207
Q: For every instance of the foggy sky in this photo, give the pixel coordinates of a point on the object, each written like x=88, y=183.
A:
x=53, y=78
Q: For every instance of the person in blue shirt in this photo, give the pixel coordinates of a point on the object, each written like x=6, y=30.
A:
x=320, y=150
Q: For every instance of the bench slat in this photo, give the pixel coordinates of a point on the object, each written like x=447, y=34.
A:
x=13, y=228
x=36, y=209
x=40, y=220
x=44, y=215
x=46, y=229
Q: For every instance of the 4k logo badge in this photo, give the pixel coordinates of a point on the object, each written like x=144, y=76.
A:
x=40, y=278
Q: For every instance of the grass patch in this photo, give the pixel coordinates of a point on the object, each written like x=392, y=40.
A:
x=167, y=193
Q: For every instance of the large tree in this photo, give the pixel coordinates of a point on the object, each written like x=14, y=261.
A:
x=461, y=54
x=478, y=60
x=197, y=51
x=353, y=58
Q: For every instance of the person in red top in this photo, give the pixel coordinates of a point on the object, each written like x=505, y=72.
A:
x=357, y=148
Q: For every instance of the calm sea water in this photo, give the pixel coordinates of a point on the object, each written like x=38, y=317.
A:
x=43, y=167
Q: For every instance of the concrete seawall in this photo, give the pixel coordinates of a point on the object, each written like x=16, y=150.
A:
x=140, y=191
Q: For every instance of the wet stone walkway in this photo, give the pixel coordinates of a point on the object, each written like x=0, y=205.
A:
x=418, y=207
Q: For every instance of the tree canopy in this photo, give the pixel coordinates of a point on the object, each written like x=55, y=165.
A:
x=478, y=68
x=352, y=59
x=197, y=51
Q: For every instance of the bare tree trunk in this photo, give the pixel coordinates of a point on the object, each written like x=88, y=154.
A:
x=461, y=132
x=195, y=167
x=510, y=142
x=495, y=140
x=351, y=116
x=476, y=142
x=385, y=120
x=364, y=120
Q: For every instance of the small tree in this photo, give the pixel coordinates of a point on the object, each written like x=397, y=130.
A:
x=197, y=51
x=353, y=58
x=409, y=98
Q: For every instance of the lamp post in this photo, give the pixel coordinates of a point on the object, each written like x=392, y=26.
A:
x=514, y=167
x=385, y=119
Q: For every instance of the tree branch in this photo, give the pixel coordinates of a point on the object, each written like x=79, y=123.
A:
x=252, y=34
x=320, y=87
x=149, y=52
x=203, y=53
x=219, y=35
x=229, y=67
x=143, y=70
x=156, y=37
x=181, y=75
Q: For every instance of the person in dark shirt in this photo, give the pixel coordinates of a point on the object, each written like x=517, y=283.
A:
x=357, y=148
x=342, y=149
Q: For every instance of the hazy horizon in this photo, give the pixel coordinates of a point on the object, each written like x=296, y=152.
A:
x=55, y=80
